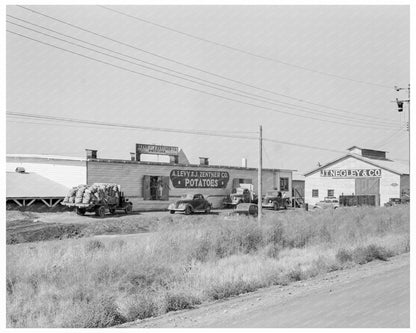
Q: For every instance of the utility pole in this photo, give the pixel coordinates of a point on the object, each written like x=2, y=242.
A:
x=400, y=104
x=259, y=175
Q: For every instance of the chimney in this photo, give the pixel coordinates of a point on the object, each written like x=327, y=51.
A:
x=244, y=162
x=203, y=161
x=133, y=156
x=91, y=153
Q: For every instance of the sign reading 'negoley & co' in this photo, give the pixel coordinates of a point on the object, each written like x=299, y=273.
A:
x=351, y=173
x=199, y=179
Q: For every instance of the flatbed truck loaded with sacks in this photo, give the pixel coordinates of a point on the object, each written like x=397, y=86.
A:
x=97, y=198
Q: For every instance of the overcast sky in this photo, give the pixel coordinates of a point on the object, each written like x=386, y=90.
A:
x=342, y=60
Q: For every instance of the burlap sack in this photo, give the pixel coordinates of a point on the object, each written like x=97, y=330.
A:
x=87, y=196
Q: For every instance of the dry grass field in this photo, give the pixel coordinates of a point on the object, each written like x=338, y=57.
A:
x=102, y=282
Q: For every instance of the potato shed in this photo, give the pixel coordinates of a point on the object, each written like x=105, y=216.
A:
x=152, y=185
x=361, y=172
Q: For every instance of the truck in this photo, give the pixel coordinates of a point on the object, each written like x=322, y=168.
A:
x=97, y=198
x=276, y=200
x=242, y=194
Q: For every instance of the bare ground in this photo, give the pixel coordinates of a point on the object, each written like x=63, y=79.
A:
x=32, y=225
x=373, y=295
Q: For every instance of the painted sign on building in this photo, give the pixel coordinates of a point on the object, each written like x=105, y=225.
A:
x=350, y=173
x=199, y=179
x=156, y=149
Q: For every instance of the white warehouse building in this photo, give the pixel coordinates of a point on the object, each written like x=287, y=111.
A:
x=361, y=172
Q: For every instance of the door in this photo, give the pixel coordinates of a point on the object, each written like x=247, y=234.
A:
x=165, y=191
x=146, y=188
x=368, y=186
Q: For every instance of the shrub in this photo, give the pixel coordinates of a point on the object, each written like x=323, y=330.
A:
x=230, y=288
x=142, y=305
x=94, y=245
x=295, y=274
x=344, y=256
x=100, y=312
x=179, y=301
x=363, y=255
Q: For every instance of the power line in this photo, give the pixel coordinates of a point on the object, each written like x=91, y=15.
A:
x=128, y=126
x=96, y=126
x=262, y=99
x=303, y=146
x=194, y=132
x=385, y=141
x=244, y=51
x=188, y=66
x=183, y=86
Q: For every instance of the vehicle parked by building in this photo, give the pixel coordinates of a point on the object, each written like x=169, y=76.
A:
x=276, y=200
x=397, y=201
x=328, y=202
x=242, y=194
x=191, y=203
x=97, y=198
x=248, y=209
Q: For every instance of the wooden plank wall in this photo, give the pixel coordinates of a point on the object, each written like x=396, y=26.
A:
x=130, y=177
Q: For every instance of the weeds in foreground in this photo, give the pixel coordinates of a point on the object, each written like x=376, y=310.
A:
x=102, y=283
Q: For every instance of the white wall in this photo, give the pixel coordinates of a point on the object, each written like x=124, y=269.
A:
x=68, y=173
x=347, y=186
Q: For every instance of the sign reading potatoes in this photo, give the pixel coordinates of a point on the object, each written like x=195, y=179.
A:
x=199, y=179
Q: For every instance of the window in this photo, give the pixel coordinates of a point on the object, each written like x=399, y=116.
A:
x=315, y=193
x=330, y=193
x=284, y=184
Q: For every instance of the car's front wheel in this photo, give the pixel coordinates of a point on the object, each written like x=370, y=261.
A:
x=208, y=210
x=188, y=210
x=172, y=212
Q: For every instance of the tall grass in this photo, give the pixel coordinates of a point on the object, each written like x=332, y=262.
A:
x=102, y=283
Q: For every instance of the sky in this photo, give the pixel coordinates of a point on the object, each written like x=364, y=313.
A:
x=311, y=76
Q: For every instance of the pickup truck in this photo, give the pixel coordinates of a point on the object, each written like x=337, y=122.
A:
x=275, y=200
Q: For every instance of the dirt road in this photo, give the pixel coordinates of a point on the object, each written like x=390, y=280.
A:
x=372, y=295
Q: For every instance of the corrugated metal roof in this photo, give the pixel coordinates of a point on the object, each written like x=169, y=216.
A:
x=47, y=157
x=389, y=165
x=394, y=166
x=102, y=160
x=32, y=185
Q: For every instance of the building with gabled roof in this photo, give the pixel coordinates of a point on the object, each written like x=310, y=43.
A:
x=360, y=172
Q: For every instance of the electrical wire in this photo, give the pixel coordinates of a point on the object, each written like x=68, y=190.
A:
x=194, y=132
x=186, y=65
x=108, y=124
x=261, y=98
x=187, y=87
x=244, y=51
x=48, y=123
x=385, y=141
x=303, y=145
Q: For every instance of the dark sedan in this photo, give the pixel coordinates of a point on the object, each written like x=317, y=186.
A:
x=191, y=203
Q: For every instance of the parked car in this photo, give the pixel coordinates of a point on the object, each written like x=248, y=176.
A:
x=328, y=202
x=275, y=200
x=249, y=209
x=191, y=203
x=397, y=201
x=240, y=195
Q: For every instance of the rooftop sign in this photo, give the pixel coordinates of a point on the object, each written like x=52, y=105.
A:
x=156, y=149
